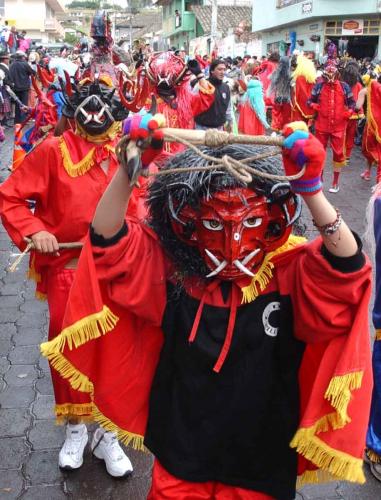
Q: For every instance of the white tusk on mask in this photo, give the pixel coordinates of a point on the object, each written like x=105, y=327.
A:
x=242, y=268
x=218, y=269
x=101, y=112
x=212, y=257
x=97, y=120
x=250, y=256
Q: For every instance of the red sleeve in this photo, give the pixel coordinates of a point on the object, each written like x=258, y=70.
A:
x=29, y=182
x=325, y=300
x=202, y=97
x=133, y=272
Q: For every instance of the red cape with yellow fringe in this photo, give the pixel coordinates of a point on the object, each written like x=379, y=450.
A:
x=112, y=351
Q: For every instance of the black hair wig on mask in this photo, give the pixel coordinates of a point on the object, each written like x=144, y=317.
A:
x=351, y=73
x=168, y=194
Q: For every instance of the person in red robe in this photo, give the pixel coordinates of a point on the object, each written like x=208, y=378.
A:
x=280, y=95
x=371, y=141
x=66, y=177
x=351, y=75
x=236, y=352
x=303, y=79
x=252, y=110
x=333, y=103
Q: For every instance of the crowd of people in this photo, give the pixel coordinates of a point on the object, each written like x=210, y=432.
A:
x=188, y=314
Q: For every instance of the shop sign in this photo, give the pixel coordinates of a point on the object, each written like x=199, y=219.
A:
x=352, y=27
x=314, y=27
x=307, y=7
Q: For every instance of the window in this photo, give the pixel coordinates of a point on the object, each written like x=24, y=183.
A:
x=371, y=27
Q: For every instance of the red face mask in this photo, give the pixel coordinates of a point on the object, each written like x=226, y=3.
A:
x=234, y=230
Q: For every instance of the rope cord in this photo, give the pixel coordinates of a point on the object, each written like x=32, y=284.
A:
x=213, y=138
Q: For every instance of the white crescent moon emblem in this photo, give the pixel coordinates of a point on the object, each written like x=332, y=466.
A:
x=271, y=331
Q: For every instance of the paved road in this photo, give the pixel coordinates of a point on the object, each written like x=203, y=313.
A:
x=29, y=439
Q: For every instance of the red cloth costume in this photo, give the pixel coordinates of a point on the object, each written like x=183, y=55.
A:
x=333, y=101
x=116, y=310
x=352, y=123
x=248, y=122
x=300, y=94
x=263, y=73
x=63, y=175
x=189, y=103
x=371, y=145
x=280, y=115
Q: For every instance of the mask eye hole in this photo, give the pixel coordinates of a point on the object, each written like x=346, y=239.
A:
x=212, y=224
x=252, y=222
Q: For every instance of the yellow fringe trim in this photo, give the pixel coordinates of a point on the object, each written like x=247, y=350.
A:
x=32, y=274
x=109, y=135
x=338, y=393
x=75, y=169
x=378, y=334
x=370, y=118
x=77, y=380
x=80, y=332
x=68, y=410
x=40, y=296
x=265, y=273
x=373, y=456
x=339, y=464
x=339, y=164
x=314, y=477
x=128, y=438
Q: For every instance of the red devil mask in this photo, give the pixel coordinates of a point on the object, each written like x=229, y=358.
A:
x=235, y=228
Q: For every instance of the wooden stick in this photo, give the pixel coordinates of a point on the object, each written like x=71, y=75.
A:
x=214, y=137
x=30, y=246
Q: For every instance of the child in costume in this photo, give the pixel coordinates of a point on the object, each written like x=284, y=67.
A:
x=371, y=141
x=252, y=110
x=333, y=102
x=303, y=79
x=238, y=354
x=280, y=94
x=351, y=75
x=66, y=177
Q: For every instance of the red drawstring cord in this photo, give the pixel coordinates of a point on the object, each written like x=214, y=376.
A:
x=196, y=322
x=229, y=332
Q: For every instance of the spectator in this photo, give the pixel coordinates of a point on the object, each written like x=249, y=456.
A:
x=20, y=73
x=5, y=80
x=12, y=40
x=24, y=42
x=220, y=112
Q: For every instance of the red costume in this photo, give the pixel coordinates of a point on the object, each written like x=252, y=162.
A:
x=259, y=352
x=352, y=123
x=300, y=94
x=333, y=101
x=371, y=144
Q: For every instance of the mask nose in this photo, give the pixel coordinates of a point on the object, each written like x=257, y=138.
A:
x=233, y=243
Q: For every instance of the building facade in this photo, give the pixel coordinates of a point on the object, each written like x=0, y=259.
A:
x=285, y=25
x=37, y=18
x=180, y=25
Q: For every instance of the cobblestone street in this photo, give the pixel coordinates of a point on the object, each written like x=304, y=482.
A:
x=29, y=438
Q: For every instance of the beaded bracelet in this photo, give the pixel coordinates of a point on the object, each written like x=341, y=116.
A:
x=332, y=227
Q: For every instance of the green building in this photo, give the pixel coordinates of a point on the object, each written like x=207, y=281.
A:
x=180, y=25
x=353, y=25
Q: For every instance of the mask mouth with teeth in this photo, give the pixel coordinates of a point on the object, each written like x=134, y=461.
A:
x=212, y=226
x=93, y=104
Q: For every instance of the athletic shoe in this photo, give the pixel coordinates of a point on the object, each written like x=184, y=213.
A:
x=365, y=175
x=105, y=446
x=71, y=454
x=334, y=189
x=375, y=469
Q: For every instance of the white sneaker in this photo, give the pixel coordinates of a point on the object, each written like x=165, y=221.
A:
x=105, y=446
x=334, y=189
x=71, y=454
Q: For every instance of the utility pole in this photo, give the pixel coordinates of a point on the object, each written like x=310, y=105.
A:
x=213, y=24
